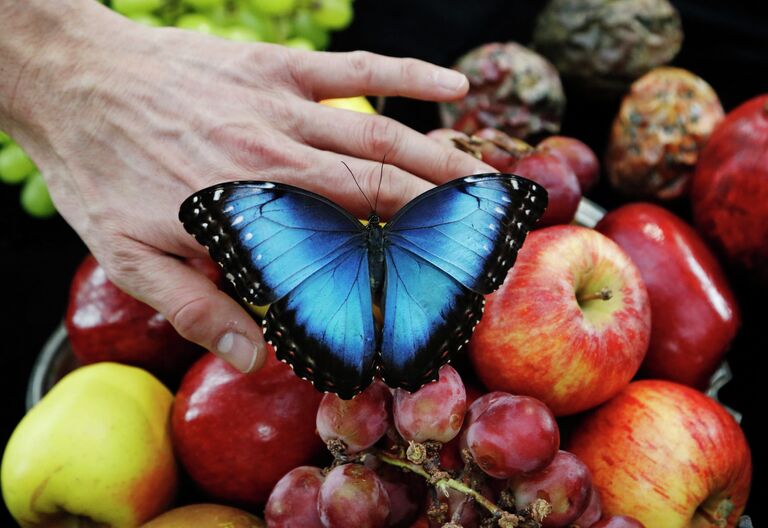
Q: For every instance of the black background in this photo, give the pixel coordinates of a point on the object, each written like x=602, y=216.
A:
x=725, y=42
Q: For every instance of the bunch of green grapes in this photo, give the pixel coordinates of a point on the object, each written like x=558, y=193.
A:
x=305, y=24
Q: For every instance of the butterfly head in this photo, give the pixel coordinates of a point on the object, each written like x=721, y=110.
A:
x=373, y=219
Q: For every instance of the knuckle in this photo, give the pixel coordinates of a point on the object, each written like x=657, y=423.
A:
x=380, y=135
x=189, y=317
x=120, y=265
x=360, y=63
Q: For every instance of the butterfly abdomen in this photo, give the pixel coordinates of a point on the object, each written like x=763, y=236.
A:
x=376, y=263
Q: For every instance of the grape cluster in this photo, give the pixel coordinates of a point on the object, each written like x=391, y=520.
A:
x=17, y=169
x=445, y=455
x=304, y=24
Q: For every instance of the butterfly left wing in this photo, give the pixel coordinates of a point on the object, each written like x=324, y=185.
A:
x=307, y=258
x=444, y=251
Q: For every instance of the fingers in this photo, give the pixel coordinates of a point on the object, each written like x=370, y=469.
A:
x=326, y=75
x=374, y=137
x=195, y=307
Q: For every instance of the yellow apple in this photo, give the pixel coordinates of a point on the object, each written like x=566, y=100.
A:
x=96, y=451
x=358, y=104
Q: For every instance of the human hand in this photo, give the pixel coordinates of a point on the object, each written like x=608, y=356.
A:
x=125, y=122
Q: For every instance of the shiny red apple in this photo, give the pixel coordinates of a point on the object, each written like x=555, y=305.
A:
x=694, y=315
x=729, y=191
x=569, y=326
x=238, y=434
x=106, y=324
x=667, y=455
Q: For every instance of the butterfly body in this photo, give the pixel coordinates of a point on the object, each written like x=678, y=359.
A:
x=321, y=271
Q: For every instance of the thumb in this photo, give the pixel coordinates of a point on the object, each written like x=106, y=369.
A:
x=196, y=308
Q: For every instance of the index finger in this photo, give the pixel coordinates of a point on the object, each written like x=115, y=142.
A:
x=331, y=74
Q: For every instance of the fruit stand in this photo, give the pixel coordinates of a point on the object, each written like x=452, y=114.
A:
x=612, y=381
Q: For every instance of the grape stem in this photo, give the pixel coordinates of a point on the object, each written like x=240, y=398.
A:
x=441, y=483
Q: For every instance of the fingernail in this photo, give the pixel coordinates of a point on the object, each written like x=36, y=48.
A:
x=450, y=80
x=238, y=351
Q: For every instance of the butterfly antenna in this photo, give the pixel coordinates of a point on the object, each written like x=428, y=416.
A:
x=358, y=186
x=381, y=177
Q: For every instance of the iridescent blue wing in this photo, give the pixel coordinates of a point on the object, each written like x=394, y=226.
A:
x=307, y=258
x=444, y=251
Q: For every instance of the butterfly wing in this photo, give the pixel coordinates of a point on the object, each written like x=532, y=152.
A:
x=444, y=251
x=307, y=258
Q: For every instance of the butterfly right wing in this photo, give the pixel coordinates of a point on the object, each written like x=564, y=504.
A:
x=306, y=257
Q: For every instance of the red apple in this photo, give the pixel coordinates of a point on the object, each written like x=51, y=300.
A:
x=729, y=191
x=694, y=315
x=205, y=515
x=106, y=324
x=558, y=179
x=569, y=326
x=238, y=434
x=667, y=455
x=577, y=155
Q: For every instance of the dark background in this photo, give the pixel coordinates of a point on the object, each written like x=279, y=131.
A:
x=726, y=43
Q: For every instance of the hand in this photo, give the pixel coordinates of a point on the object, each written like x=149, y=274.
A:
x=125, y=122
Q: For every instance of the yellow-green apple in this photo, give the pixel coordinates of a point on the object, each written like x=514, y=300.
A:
x=206, y=516
x=357, y=104
x=569, y=326
x=694, y=315
x=106, y=324
x=667, y=455
x=96, y=450
x=238, y=434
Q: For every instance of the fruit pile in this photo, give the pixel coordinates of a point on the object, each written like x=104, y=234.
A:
x=579, y=401
x=305, y=24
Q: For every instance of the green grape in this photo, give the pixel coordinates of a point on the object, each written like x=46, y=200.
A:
x=133, y=7
x=239, y=34
x=146, y=19
x=15, y=165
x=4, y=138
x=196, y=22
x=333, y=14
x=35, y=199
x=273, y=7
x=261, y=24
x=203, y=5
x=300, y=43
x=303, y=26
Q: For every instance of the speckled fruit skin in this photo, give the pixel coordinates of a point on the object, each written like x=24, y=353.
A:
x=238, y=434
x=730, y=187
x=536, y=339
x=206, y=515
x=106, y=324
x=660, y=450
x=694, y=315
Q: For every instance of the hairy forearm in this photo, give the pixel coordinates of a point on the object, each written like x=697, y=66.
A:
x=41, y=43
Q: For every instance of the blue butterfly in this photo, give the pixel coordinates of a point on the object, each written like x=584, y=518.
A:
x=321, y=270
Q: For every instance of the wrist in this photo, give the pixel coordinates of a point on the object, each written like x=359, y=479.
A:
x=43, y=43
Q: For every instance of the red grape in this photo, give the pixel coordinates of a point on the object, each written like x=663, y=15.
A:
x=293, y=501
x=565, y=483
x=593, y=512
x=560, y=182
x=434, y=412
x=352, y=496
x=577, y=155
x=619, y=521
x=405, y=490
x=359, y=422
x=512, y=435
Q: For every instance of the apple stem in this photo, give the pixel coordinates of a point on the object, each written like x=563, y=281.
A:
x=710, y=518
x=604, y=294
